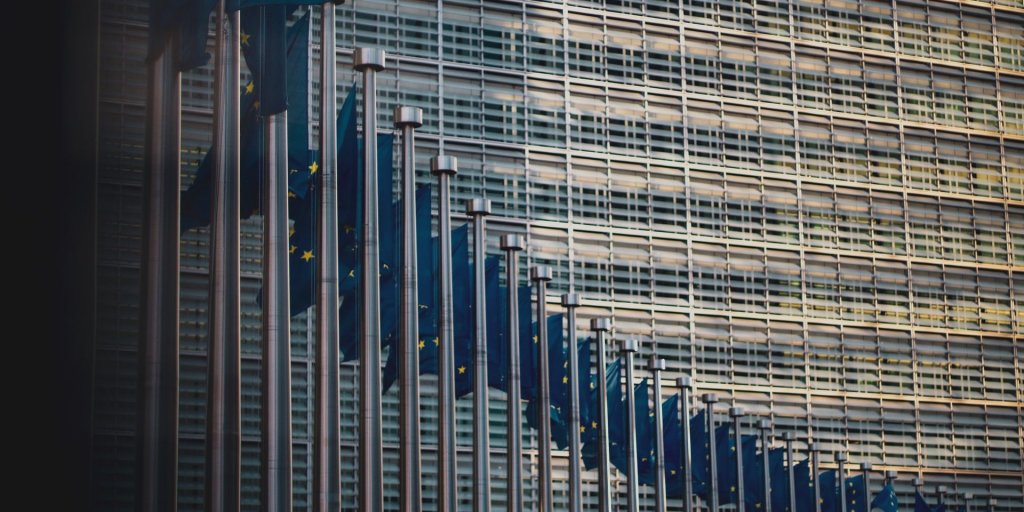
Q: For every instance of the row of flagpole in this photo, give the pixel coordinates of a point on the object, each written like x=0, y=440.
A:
x=159, y=358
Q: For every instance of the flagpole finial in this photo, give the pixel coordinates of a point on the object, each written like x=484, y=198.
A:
x=764, y=424
x=841, y=457
x=601, y=324
x=540, y=273
x=478, y=206
x=444, y=164
x=408, y=116
x=369, y=59
x=788, y=436
x=968, y=495
x=570, y=300
x=891, y=474
x=814, y=447
x=656, y=364
x=512, y=243
x=737, y=412
x=630, y=346
x=917, y=482
x=684, y=382
x=709, y=398
x=865, y=466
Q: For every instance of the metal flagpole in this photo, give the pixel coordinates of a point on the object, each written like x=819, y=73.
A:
x=992, y=502
x=710, y=399
x=479, y=209
x=789, y=437
x=223, y=453
x=917, y=483
x=890, y=476
x=512, y=244
x=737, y=414
x=326, y=459
x=630, y=347
x=600, y=326
x=967, y=501
x=371, y=465
x=685, y=385
x=814, y=448
x=570, y=301
x=941, y=491
x=865, y=469
x=765, y=427
x=408, y=119
x=277, y=418
x=445, y=167
x=841, y=461
x=656, y=366
x=157, y=473
x=541, y=275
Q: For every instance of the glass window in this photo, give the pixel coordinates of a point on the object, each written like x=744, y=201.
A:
x=707, y=203
x=787, y=352
x=778, y=144
x=774, y=72
x=747, y=278
x=503, y=36
x=854, y=220
x=624, y=50
x=545, y=112
x=744, y=208
x=631, y=269
x=630, y=200
x=822, y=279
x=664, y=56
x=710, y=276
x=739, y=75
x=711, y=339
x=781, y=212
x=925, y=228
x=702, y=73
x=857, y=289
x=892, y=292
x=819, y=217
x=588, y=111
x=784, y=282
x=889, y=235
x=544, y=40
x=671, y=272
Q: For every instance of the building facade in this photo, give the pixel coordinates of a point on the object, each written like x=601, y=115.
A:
x=814, y=208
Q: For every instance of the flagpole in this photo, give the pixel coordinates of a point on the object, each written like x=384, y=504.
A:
x=992, y=502
x=656, y=366
x=967, y=501
x=630, y=347
x=512, y=244
x=479, y=209
x=765, y=427
x=941, y=491
x=157, y=450
x=841, y=461
x=408, y=119
x=570, y=301
x=788, y=438
x=710, y=399
x=865, y=469
x=541, y=275
x=737, y=414
x=371, y=465
x=814, y=448
x=685, y=385
x=277, y=419
x=601, y=326
x=890, y=476
x=444, y=167
x=223, y=425
x=326, y=460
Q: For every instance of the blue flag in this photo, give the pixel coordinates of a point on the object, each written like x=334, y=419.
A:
x=616, y=415
x=590, y=436
x=497, y=365
x=725, y=452
x=886, y=500
x=780, y=479
x=672, y=432
x=645, y=430
x=753, y=474
x=430, y=334
x=265, y=47
x=585, y=384
x=856, y=494
x=462, y=310
x=558, y=379
x=700, y=446
x=189, y=20
x=804, y=487
x=829, y=491
x=350, y=306
x=195, y=201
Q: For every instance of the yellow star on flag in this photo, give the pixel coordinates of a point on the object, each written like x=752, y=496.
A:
x=565, y=380
x=352, y=273
x=462, y=369
x=307, y=255
x=421, y=344
x=437, y=341
x=249, y=87
x=291, y=194
x=291, y=250
x=347, y=228
x=582, y=429
x=535, y=339
x=593, y=424
x=244, y=37
x=291, y=230
x=313, y=168
x=673, y=472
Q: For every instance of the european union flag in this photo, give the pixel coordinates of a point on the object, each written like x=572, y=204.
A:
x=302, y=164
x=189, y=20
x=856, y=494
x=700, y=455
x=753, y=474
x=558, y=369
x=672, y=431
x=265, y=48
x=585, y=382
x=497, y=364
x=349, y=310
x=616, y=415
x=462, y=311
x=725, y=453
x=829, y=491
x=431, y=339
x=645, y=454
x=780, y=479
x=886, y=500
x=804, y=487
x=590, y=436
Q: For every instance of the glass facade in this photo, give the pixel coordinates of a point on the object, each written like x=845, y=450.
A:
x=815, y=208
